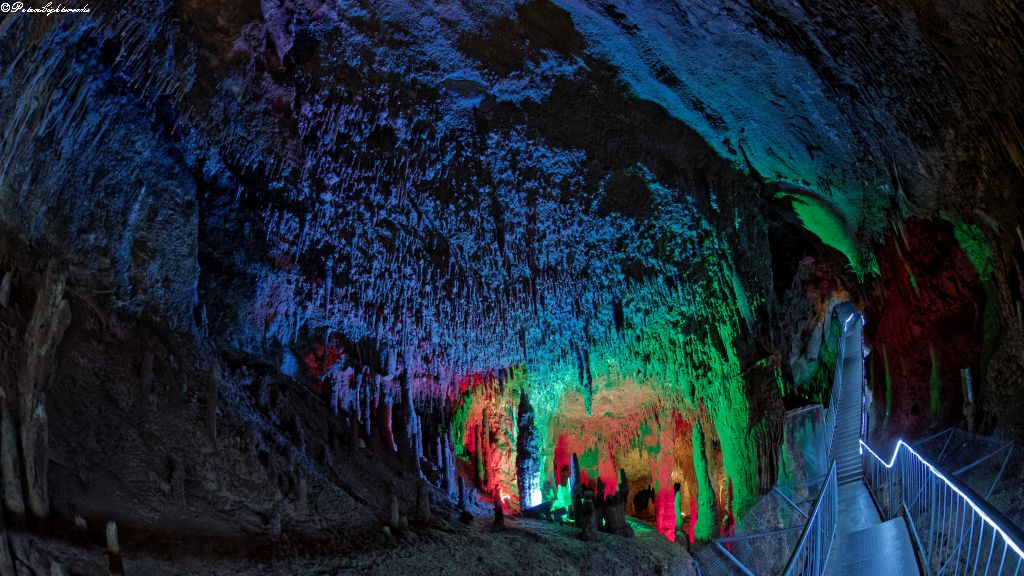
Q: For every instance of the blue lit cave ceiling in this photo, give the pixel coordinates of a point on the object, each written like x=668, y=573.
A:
x=371, y=160
x=635, y=210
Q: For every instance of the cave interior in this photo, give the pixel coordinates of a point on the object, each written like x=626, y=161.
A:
x=506, y=287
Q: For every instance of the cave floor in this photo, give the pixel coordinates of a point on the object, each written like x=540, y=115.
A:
x=525, y=546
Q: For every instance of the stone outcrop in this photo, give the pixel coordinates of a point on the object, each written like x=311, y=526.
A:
x=51, y=316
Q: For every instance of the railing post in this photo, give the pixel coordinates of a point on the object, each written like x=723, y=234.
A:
x=931, y=522
x=817, y=545
x=888, y=483
x=910, y=484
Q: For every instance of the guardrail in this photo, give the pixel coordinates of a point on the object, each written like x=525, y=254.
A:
x=954, y=529
x=833, y=402
x=811, y=553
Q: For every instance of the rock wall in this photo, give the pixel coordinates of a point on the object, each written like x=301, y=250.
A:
x=292, y=229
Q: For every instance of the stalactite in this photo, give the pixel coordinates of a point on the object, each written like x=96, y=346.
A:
x=353, y=212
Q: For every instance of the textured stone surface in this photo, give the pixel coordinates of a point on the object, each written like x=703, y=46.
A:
x=302, y=239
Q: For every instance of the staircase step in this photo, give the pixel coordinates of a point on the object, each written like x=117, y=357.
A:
x=891, y=551
x=849, y=478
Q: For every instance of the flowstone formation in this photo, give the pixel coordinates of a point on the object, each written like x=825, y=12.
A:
x=336, y=266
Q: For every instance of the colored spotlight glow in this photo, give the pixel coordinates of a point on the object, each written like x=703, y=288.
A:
x=533, y=495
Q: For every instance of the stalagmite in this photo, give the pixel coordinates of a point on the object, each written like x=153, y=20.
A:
x=5, y=290
x=449, y=484
x=499, y=511
x=365, y=385
x=481, y=463
x=6, y=554
x=586, y=519
x=394, y=518
x=146, y=390
x=353, y=434
x=417, y=443
x=615, y=516
x=575, y=487
x=211, y=403
x=302, y=497
x=614, y=510
x=10, y=464
x=51, y=317
x=464, y=514
x=527, y=453
x=407, y=438
x=423, y=501
x=115, y=560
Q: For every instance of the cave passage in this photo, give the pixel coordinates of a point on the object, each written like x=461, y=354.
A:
x=517, y=286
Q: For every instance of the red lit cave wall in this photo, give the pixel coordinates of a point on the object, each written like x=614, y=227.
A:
x=928, y=326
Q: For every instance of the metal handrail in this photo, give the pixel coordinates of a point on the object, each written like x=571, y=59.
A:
x=831, y=421
x=964, y=533
x=831, y=418
x=810, y=556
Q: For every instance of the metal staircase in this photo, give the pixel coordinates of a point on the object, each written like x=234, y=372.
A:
x=873, y=516
x=845, y=448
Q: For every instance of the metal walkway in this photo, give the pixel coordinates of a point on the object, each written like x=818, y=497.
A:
x=845, y=448
x=901, y=516
x=870, y=516
x=863, y=543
